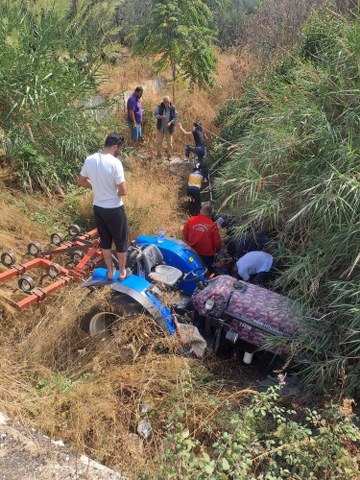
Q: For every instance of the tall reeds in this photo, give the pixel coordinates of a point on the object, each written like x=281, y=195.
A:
x=293, y=168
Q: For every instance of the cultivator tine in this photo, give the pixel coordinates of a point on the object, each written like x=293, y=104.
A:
x=85, y=255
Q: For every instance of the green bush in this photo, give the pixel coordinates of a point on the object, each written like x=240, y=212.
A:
x=294, y=169
x=49, y=61
x=266, y=441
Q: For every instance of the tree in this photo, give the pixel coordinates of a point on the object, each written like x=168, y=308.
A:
x=179, y=31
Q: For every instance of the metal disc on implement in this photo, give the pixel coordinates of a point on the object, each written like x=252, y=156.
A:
x=77, y=256
x=54, y=270
x=34, y=248
x=26, y=283
x=57, y=238
x=74, y=230
x=8, y=259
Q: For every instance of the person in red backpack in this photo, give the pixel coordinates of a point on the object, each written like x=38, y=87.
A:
x=202, y=234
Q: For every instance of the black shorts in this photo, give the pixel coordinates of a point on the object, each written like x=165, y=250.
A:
x=112, y=226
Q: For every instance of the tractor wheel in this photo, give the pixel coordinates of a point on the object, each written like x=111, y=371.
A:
x=26, y=283
x=34, y=248
x=74, y=230
x=8, y=259
x=56, y=238
x=100, y=325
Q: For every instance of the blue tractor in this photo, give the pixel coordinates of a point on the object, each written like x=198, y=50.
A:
x=228, y=311
x=171, y=263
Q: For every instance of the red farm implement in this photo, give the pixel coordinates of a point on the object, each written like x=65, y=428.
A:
x=81, y=254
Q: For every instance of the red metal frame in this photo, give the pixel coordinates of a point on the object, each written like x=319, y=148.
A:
x=92, y=257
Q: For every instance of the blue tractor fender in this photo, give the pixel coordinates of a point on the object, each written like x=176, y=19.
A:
x=136, y=291
x=139, y=290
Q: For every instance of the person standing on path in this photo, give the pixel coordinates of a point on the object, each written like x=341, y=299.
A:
x=103, y=173
x=166, y=116
x=135, y=114
x=202, y=234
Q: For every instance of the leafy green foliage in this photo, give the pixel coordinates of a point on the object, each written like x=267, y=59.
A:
x=230, y=17
x=48, y=66
x=179, y=33
x=293, y=168
x=266, y=441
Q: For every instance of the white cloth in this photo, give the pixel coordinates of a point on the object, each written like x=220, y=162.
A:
x=252, y=263
x=104, y=172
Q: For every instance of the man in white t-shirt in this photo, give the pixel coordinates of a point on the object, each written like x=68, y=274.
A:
x=103, y=173
x=254, y=266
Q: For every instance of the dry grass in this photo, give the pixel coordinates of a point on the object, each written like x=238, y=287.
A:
x=53, y=376
x=152, y=201
x=195, y=105
x=56, y=379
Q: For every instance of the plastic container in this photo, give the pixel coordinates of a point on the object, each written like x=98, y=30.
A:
x=161, y=235
x=248, y=357
x=144, y=428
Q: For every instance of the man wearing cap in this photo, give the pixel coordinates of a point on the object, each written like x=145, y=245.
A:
x=103, y=173
x=135, y=114
x=202, y=234
x=166, y=116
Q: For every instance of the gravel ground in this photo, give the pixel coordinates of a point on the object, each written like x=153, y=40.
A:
x=28, y=455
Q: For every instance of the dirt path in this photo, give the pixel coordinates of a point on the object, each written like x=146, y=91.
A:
x=28, y=455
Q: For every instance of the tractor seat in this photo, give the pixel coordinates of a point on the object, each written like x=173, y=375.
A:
x=153, y=262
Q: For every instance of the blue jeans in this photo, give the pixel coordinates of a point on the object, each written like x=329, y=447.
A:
x=136, y=132
x=199, y=151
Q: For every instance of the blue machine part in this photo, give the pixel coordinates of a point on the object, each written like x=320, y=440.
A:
x=136, y=283
x=164, y=311
x=101, y=274
x=177, y=254
x=139, y=289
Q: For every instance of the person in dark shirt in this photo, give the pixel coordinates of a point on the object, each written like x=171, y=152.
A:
x=199, y=149
x=193, y=190
x=247, y=242
x=166, y=117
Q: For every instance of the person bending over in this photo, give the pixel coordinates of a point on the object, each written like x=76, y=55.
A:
x=199, y=149
x=103, y=173
x=254, y=267
x=202, y=234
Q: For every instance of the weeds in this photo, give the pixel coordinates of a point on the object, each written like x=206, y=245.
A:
x=49, y=64
x=293, y=169
x=265, y=441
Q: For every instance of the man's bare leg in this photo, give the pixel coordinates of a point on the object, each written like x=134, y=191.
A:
x=109, y=263
x=122, y=264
